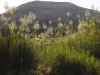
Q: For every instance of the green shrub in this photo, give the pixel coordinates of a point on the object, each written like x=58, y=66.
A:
x=87, y=37
x=16, y=53
x=75, y=63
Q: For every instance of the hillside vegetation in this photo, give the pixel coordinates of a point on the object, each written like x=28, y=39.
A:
x=60, y=51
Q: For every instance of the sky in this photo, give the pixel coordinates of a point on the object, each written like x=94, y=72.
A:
x=82, y=3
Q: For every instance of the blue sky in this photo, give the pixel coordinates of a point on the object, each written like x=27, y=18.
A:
x=82, y=3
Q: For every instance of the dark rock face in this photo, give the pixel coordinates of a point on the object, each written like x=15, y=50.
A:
x=46, y=11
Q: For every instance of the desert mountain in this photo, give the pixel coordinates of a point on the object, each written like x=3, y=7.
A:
x=46, y=11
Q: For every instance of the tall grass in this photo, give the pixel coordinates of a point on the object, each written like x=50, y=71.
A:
x=16, y=53
x=22, y=48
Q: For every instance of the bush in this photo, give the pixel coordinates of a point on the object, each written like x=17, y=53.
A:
x=75, y=63
x=16, y=53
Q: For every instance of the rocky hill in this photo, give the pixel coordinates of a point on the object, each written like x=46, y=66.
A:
x=46, y=11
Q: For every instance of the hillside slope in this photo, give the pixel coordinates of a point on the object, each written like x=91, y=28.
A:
x=46, y=11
